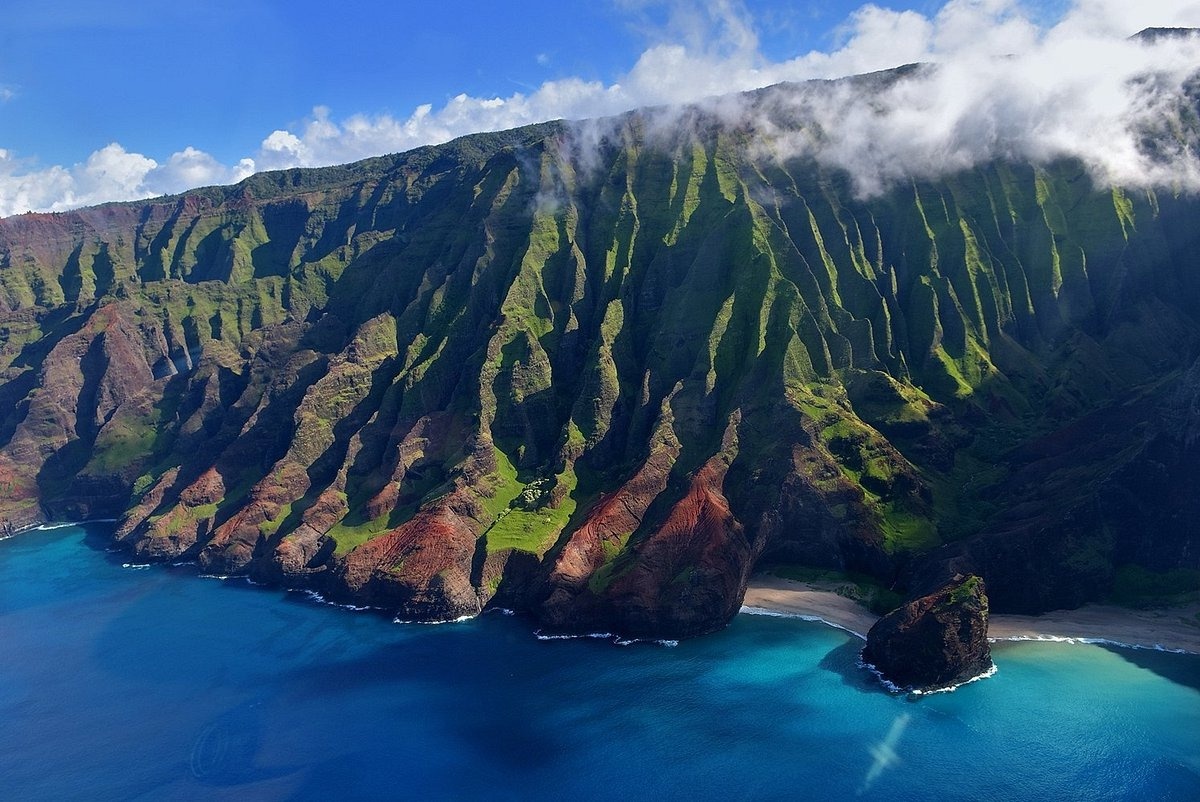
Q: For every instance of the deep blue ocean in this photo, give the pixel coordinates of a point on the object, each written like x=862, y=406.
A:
x=154, y=683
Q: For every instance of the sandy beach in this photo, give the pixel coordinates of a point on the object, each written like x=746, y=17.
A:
x=1175, y=629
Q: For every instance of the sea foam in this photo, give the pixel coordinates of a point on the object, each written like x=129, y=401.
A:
x=894, y=688
x=749, y=610
x=609, y=636
x=52, y=525
x=319, y=599
x=1158, y=647
x=459, y=620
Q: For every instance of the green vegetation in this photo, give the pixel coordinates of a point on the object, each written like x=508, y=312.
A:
x=532, y=530
x=504, y=487
x=1135, y=586
x=181, y=516
x=143, y=483
x=271, y=526
x=617, y=560
x=123, y=443
x=524, y=517
x=907, y=532
x=967, y=590
x=350, y=536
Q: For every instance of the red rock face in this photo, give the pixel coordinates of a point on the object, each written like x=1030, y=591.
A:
x=421, y=569
x=613, y=519
x=208, y=489
x=690, y=574
x=685, y=577
x=96, y=375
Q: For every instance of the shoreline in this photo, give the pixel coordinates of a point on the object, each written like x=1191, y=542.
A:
x=1170, y=629
x=48, y=526
x=1175, y=629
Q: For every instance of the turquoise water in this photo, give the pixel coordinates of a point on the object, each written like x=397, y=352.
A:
x=120, y=683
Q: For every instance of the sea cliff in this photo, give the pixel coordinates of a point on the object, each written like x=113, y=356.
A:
x=600, y=372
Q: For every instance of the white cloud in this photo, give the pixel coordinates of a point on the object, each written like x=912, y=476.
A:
x=194, y=168
x=1076, y=90
x=1065, y=90
x=1119, y=18
x=113, y=170
x=110, y=173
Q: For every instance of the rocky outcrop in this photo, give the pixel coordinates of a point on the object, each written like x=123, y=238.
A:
x=935, y=641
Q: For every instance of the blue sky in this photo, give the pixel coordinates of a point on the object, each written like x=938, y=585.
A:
x=102, y=100
x=219, y=74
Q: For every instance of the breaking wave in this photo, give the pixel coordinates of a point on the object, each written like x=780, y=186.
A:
x=319, y=599
x=459, y=620
x=749, y=610
x=609, y=636
x=1157, y=647
x=894, y=688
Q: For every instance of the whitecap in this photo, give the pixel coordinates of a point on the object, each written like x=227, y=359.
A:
x=458, y=620
x=52, y=525
x=894, y=688
x=318, y=598
x=887, y=683
x=989, y=673
x=537, y=633
x=667, y=642
x=135, y=566
x=616, y=639
x=1158, y=647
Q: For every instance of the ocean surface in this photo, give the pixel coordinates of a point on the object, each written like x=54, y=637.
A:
x=154, y=683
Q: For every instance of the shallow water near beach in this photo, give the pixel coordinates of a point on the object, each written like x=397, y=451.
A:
x=157, y=684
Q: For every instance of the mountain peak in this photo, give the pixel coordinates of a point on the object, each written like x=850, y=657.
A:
x=1152, y=35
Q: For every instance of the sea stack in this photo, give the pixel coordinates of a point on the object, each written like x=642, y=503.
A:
x=935, y=641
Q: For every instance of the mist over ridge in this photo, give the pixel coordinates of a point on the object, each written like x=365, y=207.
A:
x=1126, y=109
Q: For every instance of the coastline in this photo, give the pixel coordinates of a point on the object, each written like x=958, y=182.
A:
x=7, y=530
x=1170, y=629
x=811, y=601
x=1175, y=629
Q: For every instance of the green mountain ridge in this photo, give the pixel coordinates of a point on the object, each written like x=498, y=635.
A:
x=602, y=384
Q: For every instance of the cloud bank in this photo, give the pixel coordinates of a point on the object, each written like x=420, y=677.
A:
x=1126, y=109
x=1006, y=85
